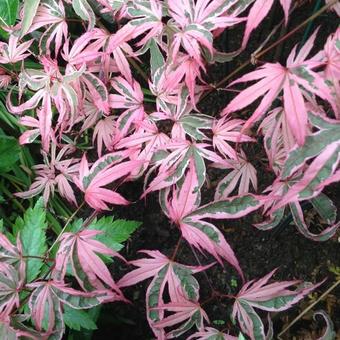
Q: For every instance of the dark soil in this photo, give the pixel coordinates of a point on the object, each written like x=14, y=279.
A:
x=258, y=252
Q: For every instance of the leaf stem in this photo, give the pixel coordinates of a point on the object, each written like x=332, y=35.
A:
x=204, y=273
x=65, y=226
x=38, y=257
x=176, y=249
x=139, y=69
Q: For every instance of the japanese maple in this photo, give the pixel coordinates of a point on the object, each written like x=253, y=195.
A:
x=110, y=92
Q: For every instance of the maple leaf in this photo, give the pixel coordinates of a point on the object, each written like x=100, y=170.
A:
x=296, y=79
x=334, y=178
x=185, y=122
x=104, y=133
x=258, y=12
x=323, y=166
x=226, y=130
x=51, y=13
x=84, y=49
x=12, y=254
x=243, y=174
x=55, y=172
x=85, y=11
x=30, y=136
x=146, y=17
x=96, y=90
x=330, y=55
x=111, y=44
x=158, y=80
x=271, y=297
x=186, y=68
x=13, y=52
x=116, y=7
x=278, y=138
x=49, y=86
x=165, y=273
x=5, y=79
x=189, y=312
x=10, y=284
x=147, y=139
x=212, y=334
x=195, y=21
x=104, y=171
x=183, y=209
x=321, y=204
x=324, y=145
x=12, y=274
x=46, y=301
x=11, y=328
x=173, y=166
x=79, y=250
x=131, y=98
x=45, y=114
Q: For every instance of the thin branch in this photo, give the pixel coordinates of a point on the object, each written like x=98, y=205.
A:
x=269, y=48
x=176, y=249
x=309, y=307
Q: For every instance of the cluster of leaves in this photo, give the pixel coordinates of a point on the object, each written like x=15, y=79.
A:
x=82, y=85
x=36, y=294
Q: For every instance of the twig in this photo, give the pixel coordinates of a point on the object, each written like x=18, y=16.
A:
x=254, y=54
x=309, y=308
x=90, y=219
x=176, y=249
x=269, y=48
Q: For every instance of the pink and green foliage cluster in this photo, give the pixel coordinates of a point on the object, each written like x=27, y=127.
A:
x=86, y=86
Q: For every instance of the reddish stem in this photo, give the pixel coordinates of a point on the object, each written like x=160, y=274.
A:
x=176, y=249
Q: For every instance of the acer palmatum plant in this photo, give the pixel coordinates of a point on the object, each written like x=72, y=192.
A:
x=100, y=124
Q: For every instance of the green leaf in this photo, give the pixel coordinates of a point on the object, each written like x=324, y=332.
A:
x=273, y=222
x=325, y=208
x=313, y=146
x=324, y=172
x=156, y=57
x=257, y=325
x=8, y=14
x=32, y=230
x=114, y=232
x=78, y=301
x=105, y=161
x=188, y=282
x=78, y=319
x=9, y=153
x=277, y=303
x=241, y=337
x=154, y=293
x=30, y=10
x=84, y=10
x=233, y=207
x=8, y=11
x=193, y=124
x=7, y=117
